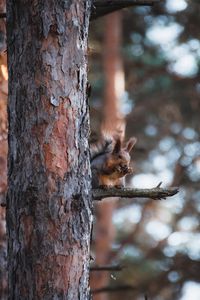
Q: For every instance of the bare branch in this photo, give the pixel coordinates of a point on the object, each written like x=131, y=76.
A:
x=3, y=199
x=102, y=7
x=2, y=15
x=107, y=289
x=154, y=193
x=107, y=268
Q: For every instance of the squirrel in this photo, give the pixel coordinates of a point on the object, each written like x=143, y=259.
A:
x=110, y=162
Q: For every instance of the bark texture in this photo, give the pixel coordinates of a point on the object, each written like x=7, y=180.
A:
x=48, y=200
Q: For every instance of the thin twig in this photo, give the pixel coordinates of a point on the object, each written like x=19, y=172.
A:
x=107, y=268
x=2, y=15
x=145, y=297
x=107, y=289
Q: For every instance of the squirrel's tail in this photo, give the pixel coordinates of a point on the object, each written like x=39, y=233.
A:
x=108, y=141
x=101, y=147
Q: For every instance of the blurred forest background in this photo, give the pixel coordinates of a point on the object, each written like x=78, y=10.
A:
x=155, y=70
x=144, y=72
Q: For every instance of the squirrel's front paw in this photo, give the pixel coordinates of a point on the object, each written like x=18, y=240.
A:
x=119, y=186
x=104, y=187
x=118, y=169
x=129, y=170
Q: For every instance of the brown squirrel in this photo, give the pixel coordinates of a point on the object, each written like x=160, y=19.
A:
x=110, y=162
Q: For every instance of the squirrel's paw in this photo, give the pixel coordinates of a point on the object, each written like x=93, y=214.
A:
x=104, y=187
x=118, y=169
x=130, y=171
x=119, y=186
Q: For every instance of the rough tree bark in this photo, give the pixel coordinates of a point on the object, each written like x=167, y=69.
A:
x=48, y=200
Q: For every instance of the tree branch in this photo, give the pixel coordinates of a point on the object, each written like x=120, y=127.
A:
x=107, y=268
x=154, y=193
x=103, y=7
x=109, y=289
x=3, y=199
x=2, y=15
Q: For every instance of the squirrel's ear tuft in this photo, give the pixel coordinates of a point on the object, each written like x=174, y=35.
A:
x=117, y=147
x=129, y=145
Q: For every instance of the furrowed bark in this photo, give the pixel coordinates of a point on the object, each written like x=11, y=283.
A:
x=48, y=200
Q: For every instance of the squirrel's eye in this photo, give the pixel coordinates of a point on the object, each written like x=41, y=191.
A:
x=119, y=156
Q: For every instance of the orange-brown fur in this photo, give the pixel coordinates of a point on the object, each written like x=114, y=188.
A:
x=110, y=162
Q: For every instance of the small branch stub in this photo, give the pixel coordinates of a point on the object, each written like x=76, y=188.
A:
x=110, y=289
x=157, y=193
x=107, y=268
x=2, y=15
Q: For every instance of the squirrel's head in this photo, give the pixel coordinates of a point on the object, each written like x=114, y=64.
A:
x=121, y=155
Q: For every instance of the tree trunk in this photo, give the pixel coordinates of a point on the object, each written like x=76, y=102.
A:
x=49, y=181
x=3, y=153
x=113, y=119
x=3, y=172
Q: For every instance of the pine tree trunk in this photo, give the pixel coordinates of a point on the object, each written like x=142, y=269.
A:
x=48, y=201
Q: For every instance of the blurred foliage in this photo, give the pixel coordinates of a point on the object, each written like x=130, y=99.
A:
x=161, y=247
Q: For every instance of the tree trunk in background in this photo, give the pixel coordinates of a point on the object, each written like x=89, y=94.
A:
x=48, y=200
x=3, y=153
x=3, y=173
x=112, y=121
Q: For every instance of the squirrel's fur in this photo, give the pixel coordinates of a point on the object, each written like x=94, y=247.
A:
x=110, y=162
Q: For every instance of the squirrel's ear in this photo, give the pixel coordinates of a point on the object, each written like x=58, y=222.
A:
x=129, y=145
x=117, y=147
